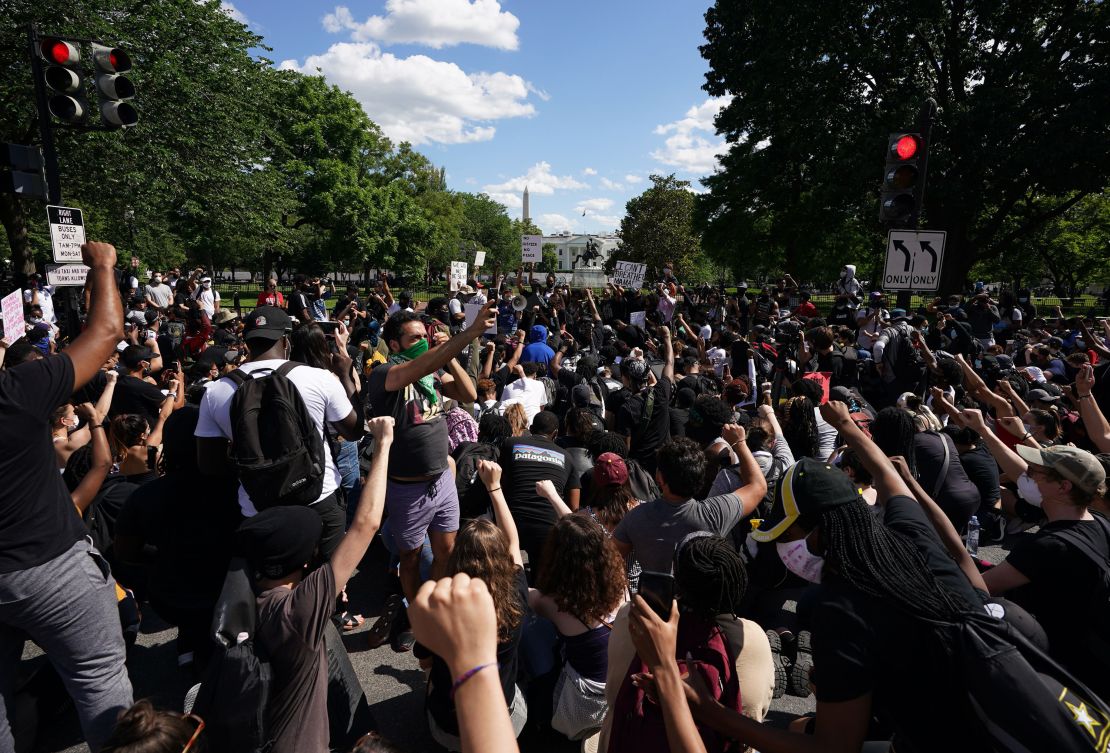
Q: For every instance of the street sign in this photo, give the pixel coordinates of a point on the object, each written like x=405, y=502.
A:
x=62, y=275
x=914, y=260
x=458, y=275
x=629, y=274
x=67, y=232
x=531, y=248
x=12, y=306
x=479, y=258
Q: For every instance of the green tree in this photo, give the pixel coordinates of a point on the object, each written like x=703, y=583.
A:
x=657, y=228
x=550, y=258
x=488, y=228
x=1018, y=140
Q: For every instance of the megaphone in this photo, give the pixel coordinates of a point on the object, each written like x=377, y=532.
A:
x=519, y=303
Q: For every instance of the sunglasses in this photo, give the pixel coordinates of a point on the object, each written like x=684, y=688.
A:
x=196, y=733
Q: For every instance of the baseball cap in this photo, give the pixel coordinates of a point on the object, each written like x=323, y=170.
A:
x=266, y=323
x=279, y=540
x=898, y=314
x=808, y=488
x=581, y=395
x=1078, y=466
x=610, y=470
x=1041, y=395
x=133, y=355
x=635, y=369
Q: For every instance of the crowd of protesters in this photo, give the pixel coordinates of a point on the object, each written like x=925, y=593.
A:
x=630, y=518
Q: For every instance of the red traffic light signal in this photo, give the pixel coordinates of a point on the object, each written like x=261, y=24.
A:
x=59, y=51
x=903, y=178
x=114, y=88
x=906, y=146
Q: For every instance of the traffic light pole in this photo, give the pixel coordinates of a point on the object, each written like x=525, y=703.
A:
x=46, y=131
x=925, y=128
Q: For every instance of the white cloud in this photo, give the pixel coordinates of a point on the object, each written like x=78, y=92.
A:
x=419, y=99
x=470, y=182
x=434, y=23
x=691, y=144
x=611, y=185
x=593, y=205
x=633, y=179
x=235, y=13
x=607, y=221
x=556, y=223
x=589, y=171
x=539, y=180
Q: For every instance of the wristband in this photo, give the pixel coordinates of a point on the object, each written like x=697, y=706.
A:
x=461, y=679
x=1085, y=397
x=494, y=489
x=96, y=426
x=1028, y=435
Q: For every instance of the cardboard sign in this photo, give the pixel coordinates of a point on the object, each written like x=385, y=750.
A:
x=479, y=258
x=637, y=318
x=531, y=249
x=457, y=277
x=12, y=306
x=629, y=274
x=67, y=232
x=471, y=310
x=62, y=275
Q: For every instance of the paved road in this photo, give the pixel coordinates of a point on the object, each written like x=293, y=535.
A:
x=393, y=682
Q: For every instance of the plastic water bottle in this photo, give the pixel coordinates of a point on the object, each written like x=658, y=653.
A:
x=973, y=536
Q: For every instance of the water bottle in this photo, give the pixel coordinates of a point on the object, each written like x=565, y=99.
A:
x=973, y=536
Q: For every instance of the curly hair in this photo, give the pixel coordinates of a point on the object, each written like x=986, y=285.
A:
x=582, y=570
x=144, y=729
x=518, y=419
x=482, y=551
x=611, y=503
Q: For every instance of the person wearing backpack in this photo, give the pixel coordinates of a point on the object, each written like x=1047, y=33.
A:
x=900, y=366
x=1061, y=573
x=295, y=606
x=275, y=431
x=645, y=417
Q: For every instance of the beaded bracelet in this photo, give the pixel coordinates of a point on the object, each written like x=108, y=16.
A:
x=467, y=675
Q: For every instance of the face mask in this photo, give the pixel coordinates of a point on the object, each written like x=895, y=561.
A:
x=417, y=349
x=800, y=561
x=71, y=425
x=207, y=285
x=1029, y=490
x=157, y=280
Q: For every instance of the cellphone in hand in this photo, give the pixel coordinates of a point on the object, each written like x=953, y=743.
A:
x=329, y=328
x=657, y=589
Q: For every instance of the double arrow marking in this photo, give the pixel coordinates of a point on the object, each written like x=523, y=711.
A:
x=925, y=246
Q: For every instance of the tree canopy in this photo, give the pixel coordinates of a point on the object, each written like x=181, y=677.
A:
x=658, y=229
x=817, y=87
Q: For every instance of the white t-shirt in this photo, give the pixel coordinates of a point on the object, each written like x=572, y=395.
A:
x=46, y=301
x=207, y=300
x=321, y=391
x=395, y=307
x=528, y=392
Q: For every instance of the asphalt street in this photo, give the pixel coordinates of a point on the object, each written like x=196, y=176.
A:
x=393, y=682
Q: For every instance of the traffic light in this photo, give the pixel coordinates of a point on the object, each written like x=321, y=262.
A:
x=22, y=172
x=66, y=98
x=903, y=180
x=114, y=88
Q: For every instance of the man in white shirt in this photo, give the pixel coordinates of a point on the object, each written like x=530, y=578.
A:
x=326, y=394
x=208, y=298
x=526, y=390
x=158, y=294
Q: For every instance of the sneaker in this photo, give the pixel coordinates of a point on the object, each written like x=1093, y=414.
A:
x=401, y=638
x=799, y=682
x=781, y=663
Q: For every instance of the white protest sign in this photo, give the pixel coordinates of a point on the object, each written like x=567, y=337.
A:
x=67, y=232
x=12, y=306
x=629, y=274
x=458, y=275
x=479, y=258
x=531, y=248
x=913, y=260
x=471, y=310
x=62, y=275
x=637, y=319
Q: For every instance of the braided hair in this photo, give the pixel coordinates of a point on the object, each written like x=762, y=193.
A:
x=885, y=564
x=710, y=577
x=799, y=428
x=893, y=430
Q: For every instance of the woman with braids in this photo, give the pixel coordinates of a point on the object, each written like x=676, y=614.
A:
x=799, y=427
x=933, y=460
x=882, y=585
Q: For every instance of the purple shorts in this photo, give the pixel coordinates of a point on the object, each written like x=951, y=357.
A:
x=420, y=506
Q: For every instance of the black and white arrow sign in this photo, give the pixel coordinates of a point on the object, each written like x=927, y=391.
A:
x=913, y=260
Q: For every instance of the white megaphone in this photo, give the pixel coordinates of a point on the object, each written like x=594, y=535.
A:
x=519, y=303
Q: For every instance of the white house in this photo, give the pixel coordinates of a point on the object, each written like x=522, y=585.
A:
x=569, y=247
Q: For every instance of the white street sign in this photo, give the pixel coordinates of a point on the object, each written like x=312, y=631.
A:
x=629, y=274
x=914, y=260
x=531, y=248
x=67, y=232
x=62, y=275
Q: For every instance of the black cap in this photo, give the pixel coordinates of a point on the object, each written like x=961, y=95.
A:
x=279, y=540
x=808, y=488
x=266, y=323
x=133, y=355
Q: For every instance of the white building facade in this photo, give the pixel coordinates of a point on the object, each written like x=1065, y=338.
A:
x=570, y=247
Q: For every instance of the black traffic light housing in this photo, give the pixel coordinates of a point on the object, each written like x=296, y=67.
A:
x=61, y=73
x=903, y=186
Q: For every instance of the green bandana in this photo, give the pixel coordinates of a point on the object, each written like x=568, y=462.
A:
x=426, y=384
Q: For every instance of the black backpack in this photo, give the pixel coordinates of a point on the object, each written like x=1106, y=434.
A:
x=276, y=448
x=1094, y=634
x=907, y=364
x=474, y=500
x=1024, y=701
x=233, y=696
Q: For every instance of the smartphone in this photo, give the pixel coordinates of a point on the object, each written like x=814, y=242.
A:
x=329, y=328
x=151, y=457
x=657, y=589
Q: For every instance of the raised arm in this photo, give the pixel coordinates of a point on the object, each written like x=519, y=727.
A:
x=104, y=402
x=668, y=354
x=886, y=478
x=1009, y=461
x=403, y=374
x=105, y=320
x=490, y=473
x=1093, y=419
x=368, y=518
x=547, y=490
x=977, y=387
x=754, y=485
x=87, y=490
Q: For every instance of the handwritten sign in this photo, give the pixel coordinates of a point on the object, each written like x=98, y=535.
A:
x=629, y=274
x=12, y=306
x=531, y=249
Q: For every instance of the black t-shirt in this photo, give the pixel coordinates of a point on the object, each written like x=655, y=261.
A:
x=37, y=519
x=862, y=644
x=679, y=417
x=525, y=461
x=1063, y=581
x=957, y=496
x=982, y=471
x=420, y=426
x=298, y=306
x=439, y=702
x=651, y=431
x=100, y=517
x=192, y=529
x=133, y=395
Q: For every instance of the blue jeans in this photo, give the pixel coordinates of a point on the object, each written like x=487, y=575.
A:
x=347, y=463
x=68, y=607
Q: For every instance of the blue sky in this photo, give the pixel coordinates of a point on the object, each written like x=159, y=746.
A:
x=579, y=100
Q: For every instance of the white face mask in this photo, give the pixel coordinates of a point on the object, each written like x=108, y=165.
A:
x=1029, y=490
x=800, y=561
x=157, y=281
x=207, y=285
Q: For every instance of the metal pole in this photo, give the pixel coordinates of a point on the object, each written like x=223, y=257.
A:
x=46, y=131
x=925, y=128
